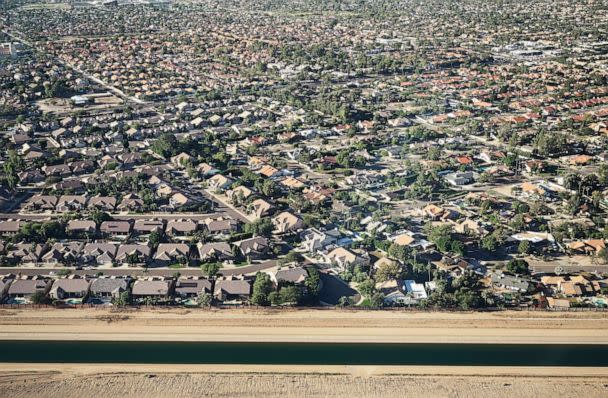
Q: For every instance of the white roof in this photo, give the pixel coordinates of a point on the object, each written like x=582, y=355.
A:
x=416, y=289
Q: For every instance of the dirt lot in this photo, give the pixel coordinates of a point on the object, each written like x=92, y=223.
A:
x=67, y=384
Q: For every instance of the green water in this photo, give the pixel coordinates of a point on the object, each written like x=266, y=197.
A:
x=303, y=353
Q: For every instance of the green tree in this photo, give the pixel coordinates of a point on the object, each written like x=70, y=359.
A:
x=292, y=257
x=210, y=269
x=468, y=299
x=389, y=271
x=519, y=267
x=440, y=235
x=550, y=144
x=290, y=295
x=261, y=289
x=275, y=298
x=123, y=299
x=524, y=247
x=457, y=247
x=602, y=174
x=204, y=299
x=313, y=282
x=399, y=252
x=165, y=145
x=100, y=216
x=489, y=243
x=269, y=188
x=155, y=238
x=345, y=301
x=261, y=227
x=367, y=287
x=11, y=168
x=40, y=298
x=57, y=89
x=376, y=300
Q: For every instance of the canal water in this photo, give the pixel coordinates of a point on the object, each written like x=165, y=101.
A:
x=303, y=353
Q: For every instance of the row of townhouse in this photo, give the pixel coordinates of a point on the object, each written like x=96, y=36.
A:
x=76, y=289
x=165, y=254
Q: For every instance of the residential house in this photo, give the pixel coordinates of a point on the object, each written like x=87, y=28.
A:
x=588, y=247
x=393, y=293
x=219, y=182
x=131, y=202
x=181, y=160
x=530, y=190
x=460, y=178
x=60, y=170
x=253, y=248
x=206, y=170
x=314, y=240
x=30, y=177
x=178, y=200
x=82, y=167
x=115, y=228
x=133, y=253
x=23, y=289
x=146, y=227
x=81, y=226
x=170, y=253
x=216, y=251
x=415, y=290
x=269, y=171
x=70, y=288
x=103, y=203
x=239, y=194
x=10, y=227
x=287, y=222
x=510, y=282
x=191, y=287
x=67, y=253
x=71, y=203
x=383, y=262
x=294, y=275
x=107, y=289
x=5, y=282
x=404, y=240
x=470, y=227
x=41, y=203
x=25, y=253
x=232, y=290
x=152, y=290
x=221, y=226
x=437, y=213
x=343, y=258
x=181, y=227
x=260, y=208
x=99, y=253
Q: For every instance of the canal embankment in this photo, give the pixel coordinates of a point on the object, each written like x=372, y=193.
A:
x=312, y=326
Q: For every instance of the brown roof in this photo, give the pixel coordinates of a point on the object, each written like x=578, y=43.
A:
x=115, y=227
x=186, y=285
x=148, y=225
x=75, y=285
x=27, y=286
x=10, y=226
x=151, y=288
x=81, y=225
x=232, y=286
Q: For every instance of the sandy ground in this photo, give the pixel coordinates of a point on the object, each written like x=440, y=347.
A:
x=33, y=381
x=304, y=326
